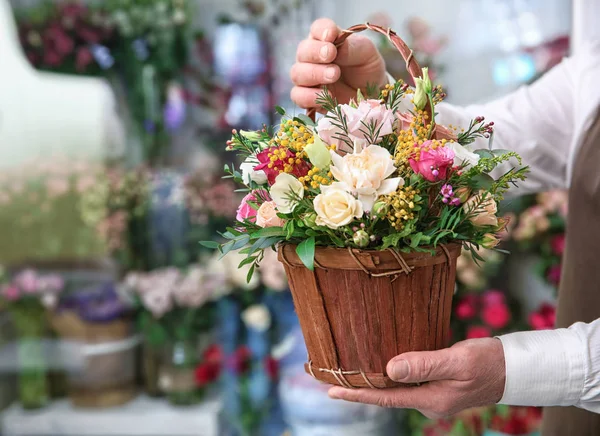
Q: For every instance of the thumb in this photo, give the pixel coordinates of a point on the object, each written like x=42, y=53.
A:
x=423, y=366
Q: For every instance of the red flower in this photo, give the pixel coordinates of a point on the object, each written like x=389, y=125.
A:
x=206, y=373
x=271, y=367
x=553, y=274
x=496, y=316
x=264, y=157
x=83, y=58
x=213, y=354
x=467, y=308
x=478, y=331
x=544, y=318
x=557, y=243
x=240, y=361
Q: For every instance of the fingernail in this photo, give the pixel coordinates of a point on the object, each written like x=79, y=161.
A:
x=324, y=52
x=326, y=33
x=330, y=73
x=399, y=370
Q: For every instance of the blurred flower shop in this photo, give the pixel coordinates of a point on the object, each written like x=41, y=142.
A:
x=114, y=117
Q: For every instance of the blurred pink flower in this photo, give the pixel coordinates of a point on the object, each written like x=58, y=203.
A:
x=245, y=210
x=496, y=316
x=10, y=293
x=553, y=274
x=27, y=281
x=157, y=301
x=493, y=298
x=558, y=244
x=51, y=283
x=467, y=307
x=85, y=182
x=57, y=186
x=544, y=318
x=477, y=332
x=83, y=58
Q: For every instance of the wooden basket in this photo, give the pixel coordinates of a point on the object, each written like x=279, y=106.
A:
x=359, y=309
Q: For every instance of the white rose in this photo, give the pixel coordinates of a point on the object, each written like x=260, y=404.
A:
x=257, y=317
x=335, y=207
x=286, y=191
x=462, y=155
x=248, y=173
x=365, y=173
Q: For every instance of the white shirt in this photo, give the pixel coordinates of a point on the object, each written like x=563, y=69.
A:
x=545, y=123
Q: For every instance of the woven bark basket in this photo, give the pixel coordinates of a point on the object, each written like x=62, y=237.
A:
x=359, y=309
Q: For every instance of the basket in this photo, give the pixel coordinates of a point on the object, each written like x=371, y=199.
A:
x=107, y=377
x=358, y=309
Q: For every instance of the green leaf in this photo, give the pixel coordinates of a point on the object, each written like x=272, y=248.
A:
x=483, y=153
x=240, y=242
x=306, y=253
x=280, y=110
x=250, y=273
x=415, y=239
x=482, y=181
x=247, y=261
x=268, y=232
x=415, y=179
x=290, y=229
x=210, y=244
x=304, y=119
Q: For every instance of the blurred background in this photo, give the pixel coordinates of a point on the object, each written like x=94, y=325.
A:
x=113, y=121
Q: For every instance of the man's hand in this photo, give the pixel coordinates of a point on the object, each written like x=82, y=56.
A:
x=356, y=64
x=469, y=374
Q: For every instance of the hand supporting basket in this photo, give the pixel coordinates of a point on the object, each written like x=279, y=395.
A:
x=412, y=66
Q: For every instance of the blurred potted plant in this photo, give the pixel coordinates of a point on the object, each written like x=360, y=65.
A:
x=27, y=298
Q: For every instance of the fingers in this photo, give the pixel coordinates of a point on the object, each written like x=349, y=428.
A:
x=424, y=366
x=357, y=50
x=408, y=397
x=324, y=29
x=303, y=74
x=305, y=97
x=316, y=52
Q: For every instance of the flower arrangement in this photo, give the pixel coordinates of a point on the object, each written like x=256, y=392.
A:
x=368, y=175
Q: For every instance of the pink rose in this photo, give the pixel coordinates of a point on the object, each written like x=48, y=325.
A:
x=478, y=332
x=433, y=164
x=10, y=293
x=466, y=308
x=558, y=244
x=245, y=211
x=493, y=298
x=496, y=316
x=404, y=120
x=267, y=215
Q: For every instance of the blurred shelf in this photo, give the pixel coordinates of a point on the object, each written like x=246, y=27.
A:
x=143, y=416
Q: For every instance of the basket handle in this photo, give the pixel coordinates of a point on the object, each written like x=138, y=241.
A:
x=412, y=66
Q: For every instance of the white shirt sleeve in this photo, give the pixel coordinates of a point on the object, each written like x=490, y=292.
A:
x=535, y=121
x=554, y=367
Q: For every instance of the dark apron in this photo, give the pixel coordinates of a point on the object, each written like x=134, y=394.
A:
x=579, y=295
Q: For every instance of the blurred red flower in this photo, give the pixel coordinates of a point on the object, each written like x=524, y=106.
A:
x=478, y=331
x=557, y=243
x=496, y=316
x=553, y=274
x=271, y=367
x=466, y=308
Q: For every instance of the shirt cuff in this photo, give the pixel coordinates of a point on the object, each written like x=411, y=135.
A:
x=543, y=368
